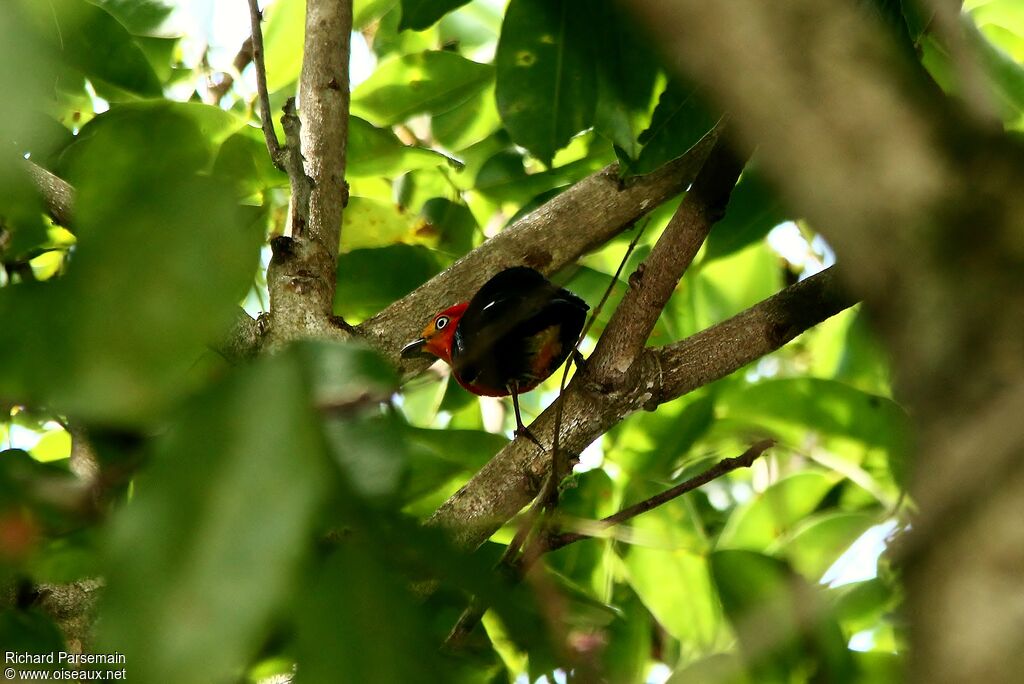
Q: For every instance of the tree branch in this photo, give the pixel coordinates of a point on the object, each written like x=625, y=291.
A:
x=569, y=225
x=262, y=96
x=656, y=278
x=303, y=270
x=509, y=481
x=726, y=465
x=57, y=194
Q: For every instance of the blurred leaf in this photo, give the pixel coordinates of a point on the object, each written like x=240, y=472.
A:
x=90, y=40
x=668, y=569
x=757, y=523
x=791, y=406
x=378, y=152
x=860, y=605
x=782, y=628
x=679, y=122
x=454, y=223
x=420, y=14
x=370, y=279
x=720, y=668
x=141, y=17
x=365, y=12
x=372, y=223
x=627, y=70
x=283, y=33
x=21, y=209
x=754, y=209
x=546, y=78
x=467, y=123
x=155, y=276
x=436, y=456
x=29, y=631
x=818, y=541
x=651, y=445
x=243, y=160
x=358, y=623
x=233, y=490
x=429, y=82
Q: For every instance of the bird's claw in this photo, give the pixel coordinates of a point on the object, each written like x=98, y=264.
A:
x=522, y=431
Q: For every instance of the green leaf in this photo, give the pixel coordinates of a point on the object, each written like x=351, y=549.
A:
x=817, y=542
x=791, y=406
x=668, y=569
x=29, y=631
x=233, y=489
x=283, y=35
x=720, y=668
x=243, y=160
x=436, y=456
x=359, y=623
x=140, y=17
x=370, y=279
x=93, y=42
x=155, y=276
x=754, y=209
x=454, y=223
x=378, y=152
x=428, y=82
x=364, y=12
x=756, y=524
x=546, y=78
x=420, y=14
x=679, y=122
x=373, y=223
x=468, y=123
x=783, y=632
x=627, y=70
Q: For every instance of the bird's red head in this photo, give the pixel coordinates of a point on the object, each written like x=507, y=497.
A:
x=438, y=336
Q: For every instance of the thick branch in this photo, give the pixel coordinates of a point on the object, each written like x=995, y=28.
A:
x=58, y=195
x=653, y=282
x=578, y=220
x=509, y=481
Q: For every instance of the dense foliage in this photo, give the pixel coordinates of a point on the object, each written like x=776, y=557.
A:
x=265, y=518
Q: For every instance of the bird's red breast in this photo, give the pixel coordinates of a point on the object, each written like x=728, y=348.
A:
x=512, y=335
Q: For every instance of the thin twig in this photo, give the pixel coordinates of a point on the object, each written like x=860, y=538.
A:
x=241, y=60
x=727, y=465
x=266, y=121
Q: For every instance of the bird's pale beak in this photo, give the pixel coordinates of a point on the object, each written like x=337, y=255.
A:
x=414, y=350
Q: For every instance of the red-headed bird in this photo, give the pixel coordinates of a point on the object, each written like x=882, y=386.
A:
x=515, y=332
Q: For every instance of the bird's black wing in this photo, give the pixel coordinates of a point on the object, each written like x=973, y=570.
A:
x=509, y=307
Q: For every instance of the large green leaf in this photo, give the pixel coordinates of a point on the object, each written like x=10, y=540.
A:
x=163, y=256
x=817, y=542
x=783, y=629
x=791, y=406
x=754, y=209
x=679, y=122
x=370, y=279
x=233, y=490
x=91, y=41
x=627, y=71
x=668, y=569
x=141, y=17
x=546, y=78
x=283, y=36
x=428, y=82
x=758, y=523
x=378, y=152
x=420, y=14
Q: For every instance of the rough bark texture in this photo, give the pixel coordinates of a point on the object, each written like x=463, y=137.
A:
x=922, y=201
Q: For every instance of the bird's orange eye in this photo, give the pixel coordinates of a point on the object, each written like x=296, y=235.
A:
x=441, y=323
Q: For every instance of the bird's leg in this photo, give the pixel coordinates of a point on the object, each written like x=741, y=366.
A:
x=578, y=360
x=521, y=430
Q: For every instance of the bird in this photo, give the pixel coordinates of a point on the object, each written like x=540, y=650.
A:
x=509, y=337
